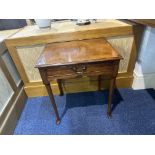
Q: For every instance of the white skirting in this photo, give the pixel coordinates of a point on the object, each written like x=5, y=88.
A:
x=143, y=81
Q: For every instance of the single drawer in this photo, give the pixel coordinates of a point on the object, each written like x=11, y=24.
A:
x=71, y=71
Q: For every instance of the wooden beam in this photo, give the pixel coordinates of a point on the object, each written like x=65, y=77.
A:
x=77, y=35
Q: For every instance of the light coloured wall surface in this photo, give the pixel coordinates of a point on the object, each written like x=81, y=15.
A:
x=11, y=67
x=146, y=57
x=28, y=56
x=144, y=72
x=123, y=45
x=5, y=91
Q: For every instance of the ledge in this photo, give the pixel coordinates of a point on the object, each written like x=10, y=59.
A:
x=68, y=31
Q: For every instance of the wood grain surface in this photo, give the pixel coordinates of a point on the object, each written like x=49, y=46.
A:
x=75, y=52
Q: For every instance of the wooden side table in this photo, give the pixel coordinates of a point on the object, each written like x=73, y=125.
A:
x=94, y=57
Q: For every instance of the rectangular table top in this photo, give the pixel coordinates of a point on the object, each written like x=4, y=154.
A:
x=75, y=52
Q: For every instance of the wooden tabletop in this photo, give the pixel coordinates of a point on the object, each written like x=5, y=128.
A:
x=74, y=52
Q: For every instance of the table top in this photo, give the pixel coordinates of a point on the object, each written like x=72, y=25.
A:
x=75, y=52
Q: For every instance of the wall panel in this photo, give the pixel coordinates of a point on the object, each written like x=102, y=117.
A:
x=123, y=45
x=11, y=67
x=29, y=56
x=6, y=91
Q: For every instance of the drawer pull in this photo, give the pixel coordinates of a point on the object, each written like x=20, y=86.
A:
x=79, y=69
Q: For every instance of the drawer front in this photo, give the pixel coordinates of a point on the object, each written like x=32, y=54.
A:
x=72, y=71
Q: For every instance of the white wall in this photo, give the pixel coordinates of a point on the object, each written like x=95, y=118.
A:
x=144, y=72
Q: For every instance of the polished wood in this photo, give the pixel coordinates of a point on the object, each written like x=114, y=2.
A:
x=59, y=81
x=99, y=83
x=111, y=87
x=77, y=59
x=50, y=93
x=75, y=52
x=77, y=69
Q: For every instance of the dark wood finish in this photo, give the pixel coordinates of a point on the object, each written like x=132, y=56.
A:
x=44, y=77
x=111, y=87
x=76, y=59
x=77, y=70
x=75, y=52
x=99, y=82
x=49, y=90
x=59, y=81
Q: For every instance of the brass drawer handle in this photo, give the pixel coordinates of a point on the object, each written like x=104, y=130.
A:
x=79, y=69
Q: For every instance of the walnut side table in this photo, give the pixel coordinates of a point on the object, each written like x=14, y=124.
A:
x=93, y=57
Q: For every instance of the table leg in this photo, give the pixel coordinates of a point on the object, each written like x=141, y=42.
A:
x=50, y=93
x=111, y=87
x=99, y=82
x=59, y=81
